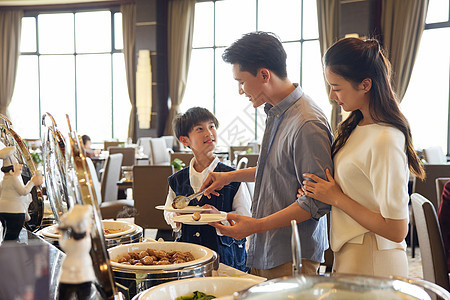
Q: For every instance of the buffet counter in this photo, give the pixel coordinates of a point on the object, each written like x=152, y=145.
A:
x=30, y=240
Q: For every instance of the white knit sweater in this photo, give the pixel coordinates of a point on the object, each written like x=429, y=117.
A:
x=371, y=169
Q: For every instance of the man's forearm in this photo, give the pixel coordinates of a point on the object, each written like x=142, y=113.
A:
x=283, y=217
x=243, y=175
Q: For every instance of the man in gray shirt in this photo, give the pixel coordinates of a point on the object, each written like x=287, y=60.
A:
x=297, y=139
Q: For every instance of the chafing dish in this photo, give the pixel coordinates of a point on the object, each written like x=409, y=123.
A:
x=132, y=279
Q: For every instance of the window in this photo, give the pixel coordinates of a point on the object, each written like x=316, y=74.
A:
x=210, y=81
x=72, y=63
x=426, y=102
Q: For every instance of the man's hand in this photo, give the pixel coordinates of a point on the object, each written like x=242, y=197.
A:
x=215, y=182
x=241, y=226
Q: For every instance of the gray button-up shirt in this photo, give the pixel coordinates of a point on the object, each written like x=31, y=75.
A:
x=297, y=139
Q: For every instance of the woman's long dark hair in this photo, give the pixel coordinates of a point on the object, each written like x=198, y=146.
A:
x=355, y=60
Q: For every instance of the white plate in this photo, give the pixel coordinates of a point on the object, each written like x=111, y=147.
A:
x=51, y=231
x=124, y=227
x=205, y=219
x=186, y=210
x=200, y=253
x=217, y=286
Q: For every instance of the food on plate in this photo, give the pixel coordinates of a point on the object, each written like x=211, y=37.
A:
x=155, y=257
x=112, y=230
x=105, y=230
x=196, y=216
x=197, y=296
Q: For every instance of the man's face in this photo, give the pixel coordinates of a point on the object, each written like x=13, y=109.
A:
x=251, y=86
x=202, y=137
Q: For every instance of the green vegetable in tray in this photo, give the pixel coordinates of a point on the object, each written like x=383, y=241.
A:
x=197, y=296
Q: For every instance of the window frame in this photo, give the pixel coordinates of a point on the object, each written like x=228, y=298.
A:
x=35, y=12
x=215, y=47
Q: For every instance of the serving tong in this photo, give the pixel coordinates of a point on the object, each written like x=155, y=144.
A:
x=180, y=201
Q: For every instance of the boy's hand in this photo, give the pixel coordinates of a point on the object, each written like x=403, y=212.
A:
x=215, y=182
x=212, y=210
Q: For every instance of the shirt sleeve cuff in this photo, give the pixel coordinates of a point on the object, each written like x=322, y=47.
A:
x=316, y=208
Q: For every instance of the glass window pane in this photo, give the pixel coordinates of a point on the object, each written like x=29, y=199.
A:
x=280, y=17
x=293, y=61
x=56, y=39
x=57, y=78
x=94, y=95
x=233, y=19
x=438, y=11
x=235, y=112
x=93, y=32
x=430, y=104
x=310, y=26
x=203, y=25
x=121, y=100
x=24, y=107
x=200, y=85
x=28, y=35
x=313, y=81
x=118, y=35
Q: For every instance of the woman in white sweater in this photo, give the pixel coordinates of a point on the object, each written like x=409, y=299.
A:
x=373, y=155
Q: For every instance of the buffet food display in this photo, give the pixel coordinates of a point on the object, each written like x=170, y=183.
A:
x=135, y=278
x=220, y=287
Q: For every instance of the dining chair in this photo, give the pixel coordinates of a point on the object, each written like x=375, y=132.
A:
x=185, y=157
x=110, y=206
x=427, y=187
x=169, y=139
x=159, y=152
x=434, y=260
x=150, y=188
x=252, y=159
x=144, y=142
x=440, y=182
x=129, y=155
x=233, y=152
x=107, y=144
x=434, y=155
x=242, y=163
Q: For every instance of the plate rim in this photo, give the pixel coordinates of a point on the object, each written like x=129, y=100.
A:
x=223, y=217
x=182, y=210
x=133, y=227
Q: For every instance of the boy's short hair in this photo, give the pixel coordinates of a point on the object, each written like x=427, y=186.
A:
x=85, y=138
x=183, y=123
x=256, y=50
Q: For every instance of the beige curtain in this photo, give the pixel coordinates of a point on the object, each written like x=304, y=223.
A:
x=402, y=25
x=10, y=27
x=328, y=19
x=181, y=30
x=129, y=51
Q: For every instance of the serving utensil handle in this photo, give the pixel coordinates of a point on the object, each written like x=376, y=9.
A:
x=296, y=250
x=195, y=195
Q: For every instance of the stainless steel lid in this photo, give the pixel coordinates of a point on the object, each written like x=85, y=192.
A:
x=53, y=155
x=341, y=286
x=10, y=138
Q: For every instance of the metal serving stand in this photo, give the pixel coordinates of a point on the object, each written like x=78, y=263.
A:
x=81, y=191
x=11, y=139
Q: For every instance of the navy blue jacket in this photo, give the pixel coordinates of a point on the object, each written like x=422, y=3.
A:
x=231, y=252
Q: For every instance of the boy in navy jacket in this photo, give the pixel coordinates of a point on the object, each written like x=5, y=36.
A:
x=196, y=129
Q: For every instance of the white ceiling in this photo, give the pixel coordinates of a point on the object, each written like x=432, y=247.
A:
x=43, y=2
